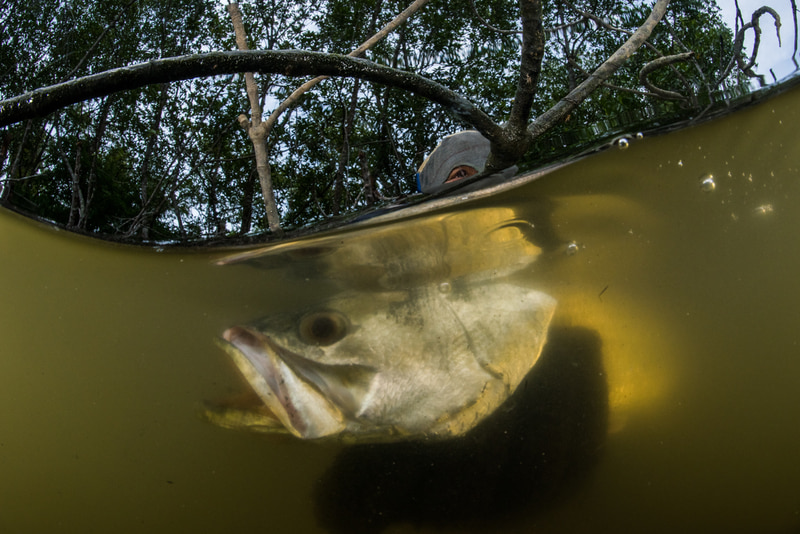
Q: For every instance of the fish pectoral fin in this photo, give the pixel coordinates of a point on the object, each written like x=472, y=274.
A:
x=346, y=385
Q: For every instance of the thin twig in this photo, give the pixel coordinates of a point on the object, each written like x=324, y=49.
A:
x=657, y=64
x=549, y=118
x=366, y=45
x=487, y=23
x=100, y=37
x=611, y=85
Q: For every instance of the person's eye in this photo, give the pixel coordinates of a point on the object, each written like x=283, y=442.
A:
x=460, y=172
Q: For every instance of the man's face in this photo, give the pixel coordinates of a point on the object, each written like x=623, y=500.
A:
x=460, y=172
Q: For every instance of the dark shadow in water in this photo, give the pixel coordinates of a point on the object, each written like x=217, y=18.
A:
x=532, y=451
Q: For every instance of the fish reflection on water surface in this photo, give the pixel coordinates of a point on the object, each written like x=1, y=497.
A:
x=425, y=338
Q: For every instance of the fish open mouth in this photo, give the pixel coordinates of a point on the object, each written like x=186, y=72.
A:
x=243, y=411
x=305, y=397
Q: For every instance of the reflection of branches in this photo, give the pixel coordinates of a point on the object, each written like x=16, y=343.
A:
x=738, y=43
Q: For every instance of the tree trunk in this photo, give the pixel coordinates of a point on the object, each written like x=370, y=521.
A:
x=178, y=216
x=217, y=225
x=368, y=181
x=256, y=129
x=77, y=200
x=248, y=192
x=5, y=185
x=344, y=155
x=145, y=219
x=91, y=177
x=13, y=169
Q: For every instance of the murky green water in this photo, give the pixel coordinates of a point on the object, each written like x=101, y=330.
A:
x=107, y=355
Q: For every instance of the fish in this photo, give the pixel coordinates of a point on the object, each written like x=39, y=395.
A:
x=427, y=362
x=423, y=334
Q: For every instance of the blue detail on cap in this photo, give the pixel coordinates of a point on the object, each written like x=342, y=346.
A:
x=419, y=184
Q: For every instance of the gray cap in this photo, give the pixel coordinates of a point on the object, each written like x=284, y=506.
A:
x=461, y=148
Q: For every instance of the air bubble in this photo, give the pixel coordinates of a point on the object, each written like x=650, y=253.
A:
x=707, y=183
x=764, y=209
x=640, y=135
x=623, y=143
x=445, y=287
x=572, y=249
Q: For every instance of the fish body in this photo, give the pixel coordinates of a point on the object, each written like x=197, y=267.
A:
x=433, y=361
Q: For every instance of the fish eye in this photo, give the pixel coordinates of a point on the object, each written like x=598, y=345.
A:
x=323, y=327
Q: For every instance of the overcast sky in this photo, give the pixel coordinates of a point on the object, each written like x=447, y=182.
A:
x=770, y=56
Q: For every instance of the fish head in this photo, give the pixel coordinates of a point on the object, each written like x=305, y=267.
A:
x=432, y=361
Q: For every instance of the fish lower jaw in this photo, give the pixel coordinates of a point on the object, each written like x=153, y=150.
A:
x=300, y=408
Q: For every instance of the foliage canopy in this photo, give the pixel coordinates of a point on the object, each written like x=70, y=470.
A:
x=169, y=161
